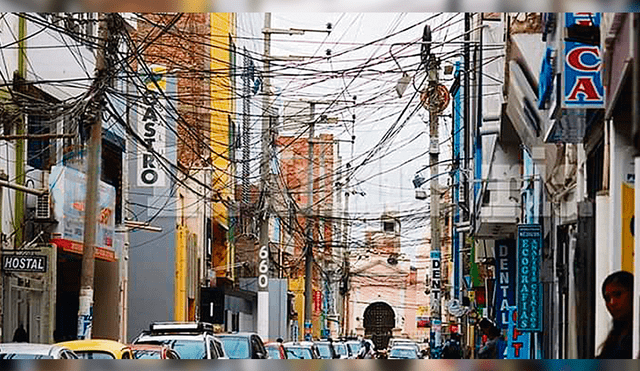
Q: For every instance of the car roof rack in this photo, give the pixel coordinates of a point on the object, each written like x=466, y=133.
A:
x=180, y=327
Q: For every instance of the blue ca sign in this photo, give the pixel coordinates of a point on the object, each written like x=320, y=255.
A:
x=529, y=288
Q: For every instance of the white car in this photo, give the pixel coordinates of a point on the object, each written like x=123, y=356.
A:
x=191, y=340
x=403, y=352
x=405, y=343
x=34, y=351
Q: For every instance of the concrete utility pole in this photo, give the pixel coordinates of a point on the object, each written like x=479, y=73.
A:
x=308, y=263
x=434, y=150
x=94, y=148
x=20, y=130
x=263, y=267
x=266, y=146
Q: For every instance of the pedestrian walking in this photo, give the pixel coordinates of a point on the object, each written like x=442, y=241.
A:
x=452, y=348
x=492, y=348
x=366, y=350
x=617, y=291
x=20, y=335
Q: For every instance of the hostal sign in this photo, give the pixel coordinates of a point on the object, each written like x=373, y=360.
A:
x=24, y=263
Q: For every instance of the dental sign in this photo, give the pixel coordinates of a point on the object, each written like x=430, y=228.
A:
x=582, y=67
x=505, y=294
x=152, y=123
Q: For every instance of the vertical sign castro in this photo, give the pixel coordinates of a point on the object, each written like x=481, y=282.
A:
x=529, y=290
x=152, y=123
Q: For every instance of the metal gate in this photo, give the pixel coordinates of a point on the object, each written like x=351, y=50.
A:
x=379, y=321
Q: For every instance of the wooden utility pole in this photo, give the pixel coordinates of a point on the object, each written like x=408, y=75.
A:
x=308, y=262
x=94, y=149
x=434, y=150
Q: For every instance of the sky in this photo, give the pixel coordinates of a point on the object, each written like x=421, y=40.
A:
x=385, y=182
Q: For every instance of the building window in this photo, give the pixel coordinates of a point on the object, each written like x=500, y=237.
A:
x=39, y=152
x=595, y=164
x=111, y=172
x=389, y=227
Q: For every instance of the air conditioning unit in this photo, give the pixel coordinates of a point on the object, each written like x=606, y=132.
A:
x=43, y=207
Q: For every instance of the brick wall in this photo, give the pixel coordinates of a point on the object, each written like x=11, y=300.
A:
x=184, y=50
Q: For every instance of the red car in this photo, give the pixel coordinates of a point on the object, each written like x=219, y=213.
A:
x=150, y=351
x=276, y=350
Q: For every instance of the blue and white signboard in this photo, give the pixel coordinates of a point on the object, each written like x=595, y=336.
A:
x=582, y=67
x=529, y=288
x=505, y=280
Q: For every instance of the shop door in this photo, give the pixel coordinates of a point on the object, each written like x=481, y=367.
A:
x=23, y=304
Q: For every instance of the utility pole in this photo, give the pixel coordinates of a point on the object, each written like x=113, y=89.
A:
x=308, y=263
x=94, y=148
x=264, y=168
x=345, y=254
x=20, y=130
x=434, y=150
x=263, y=267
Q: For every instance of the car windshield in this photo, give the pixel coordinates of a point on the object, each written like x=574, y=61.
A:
x=402, y=353
x=340, y=348
x=146, y=354
x=354, y=347
x=186, y=349
x=325, y=350
x=299, y=353
x=236, y=347
x=94, y=355
x=23, y=356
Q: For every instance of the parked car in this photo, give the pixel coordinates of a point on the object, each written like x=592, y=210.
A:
x=326, y=349
x=403, y=352
x=404, y=342
x=98, y=349
x=243, y=345
x=191, y=340
x=35, y=351
x=301, y=350
x=276, y=350
x=343, y=350
x=149, y=351
x=354, y=347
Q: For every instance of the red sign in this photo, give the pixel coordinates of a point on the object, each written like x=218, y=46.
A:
x=453, y=329
x=481, y=298
x=77, y=248
x=423, y=322
x=317, y=301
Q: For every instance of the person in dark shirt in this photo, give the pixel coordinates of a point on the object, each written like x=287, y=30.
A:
x=492, y=348
x=617, y=290
x=20, y=336
x=452, y=348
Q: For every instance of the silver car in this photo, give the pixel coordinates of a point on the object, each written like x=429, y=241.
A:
x=35, y=351
x=403, y=352
x=191, y=340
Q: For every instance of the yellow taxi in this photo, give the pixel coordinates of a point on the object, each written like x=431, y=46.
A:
x=98, y=349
